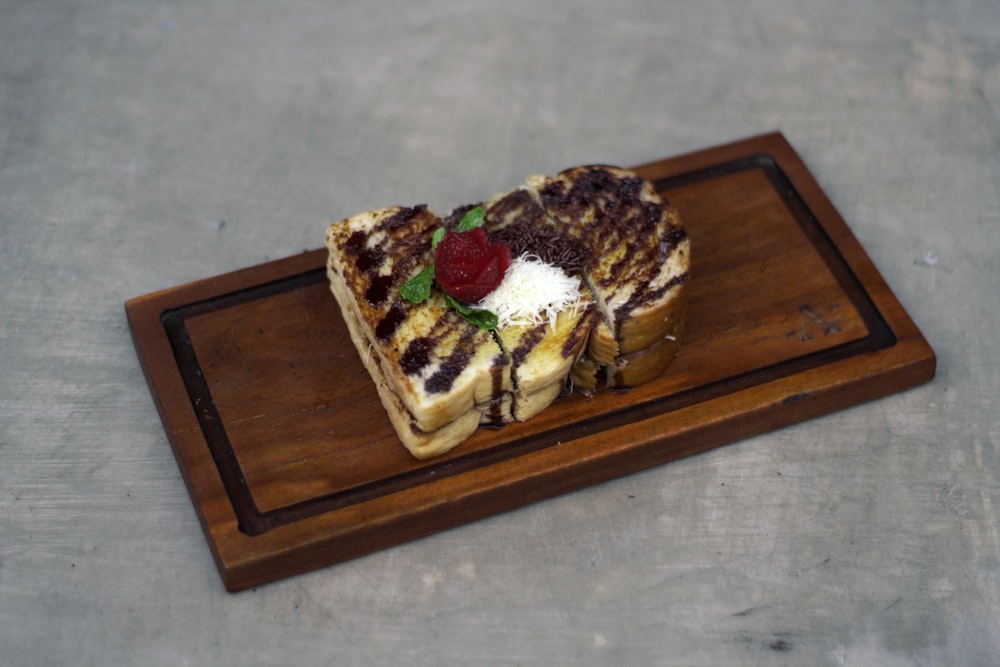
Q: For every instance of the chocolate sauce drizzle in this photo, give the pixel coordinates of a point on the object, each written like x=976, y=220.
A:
x=620, y=216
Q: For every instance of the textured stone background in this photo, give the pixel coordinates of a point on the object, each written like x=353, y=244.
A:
x=148, y=144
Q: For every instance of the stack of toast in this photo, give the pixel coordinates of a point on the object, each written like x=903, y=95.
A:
x=440, y=377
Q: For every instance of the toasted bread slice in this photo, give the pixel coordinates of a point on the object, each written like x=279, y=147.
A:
x=543, y=358
x=544, y=353
x=420, y=444
x=433, y=369
x=637, y=265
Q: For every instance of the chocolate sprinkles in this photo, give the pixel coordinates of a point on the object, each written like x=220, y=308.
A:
x=544, y=242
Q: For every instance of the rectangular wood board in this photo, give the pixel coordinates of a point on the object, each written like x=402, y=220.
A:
x=292, y=464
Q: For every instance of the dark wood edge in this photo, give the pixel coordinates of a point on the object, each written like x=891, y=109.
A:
x=156, y=358
x=459, y=500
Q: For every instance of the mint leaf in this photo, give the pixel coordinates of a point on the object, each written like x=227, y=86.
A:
x=455, y=304
x=483, y=319
x=474, y=218
x=438, y=235
x=418, y=288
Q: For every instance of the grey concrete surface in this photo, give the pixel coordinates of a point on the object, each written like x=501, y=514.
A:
x=148, y=144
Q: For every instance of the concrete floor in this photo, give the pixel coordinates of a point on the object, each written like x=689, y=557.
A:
x=145, y=145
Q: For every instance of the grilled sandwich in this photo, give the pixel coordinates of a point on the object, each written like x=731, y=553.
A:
x=594, y=296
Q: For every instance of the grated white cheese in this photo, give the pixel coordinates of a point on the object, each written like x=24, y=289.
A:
x=531, y=293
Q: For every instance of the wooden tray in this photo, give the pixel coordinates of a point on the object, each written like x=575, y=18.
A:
x=291, y=461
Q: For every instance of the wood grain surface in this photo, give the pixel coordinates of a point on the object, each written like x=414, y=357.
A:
x=291, y=461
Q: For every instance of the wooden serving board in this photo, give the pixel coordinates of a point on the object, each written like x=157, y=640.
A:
x=292, y=463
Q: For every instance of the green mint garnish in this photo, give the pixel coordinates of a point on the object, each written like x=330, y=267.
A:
x=483, y=319
x=438, y=235
x=474, y=218
x=418, y=288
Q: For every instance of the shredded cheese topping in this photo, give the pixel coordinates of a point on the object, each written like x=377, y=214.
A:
x=532, y=293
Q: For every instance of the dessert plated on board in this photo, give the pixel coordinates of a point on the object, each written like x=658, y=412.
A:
x=488, y=314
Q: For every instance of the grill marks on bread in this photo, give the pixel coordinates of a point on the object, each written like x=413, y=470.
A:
x=439, y=367
x=385, y=256
x=623, y=223
x=636, y=265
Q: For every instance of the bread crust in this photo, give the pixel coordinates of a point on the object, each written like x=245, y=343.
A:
x=540, y=371
x=642, y=366
x=659, y=320
x=420, y=444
